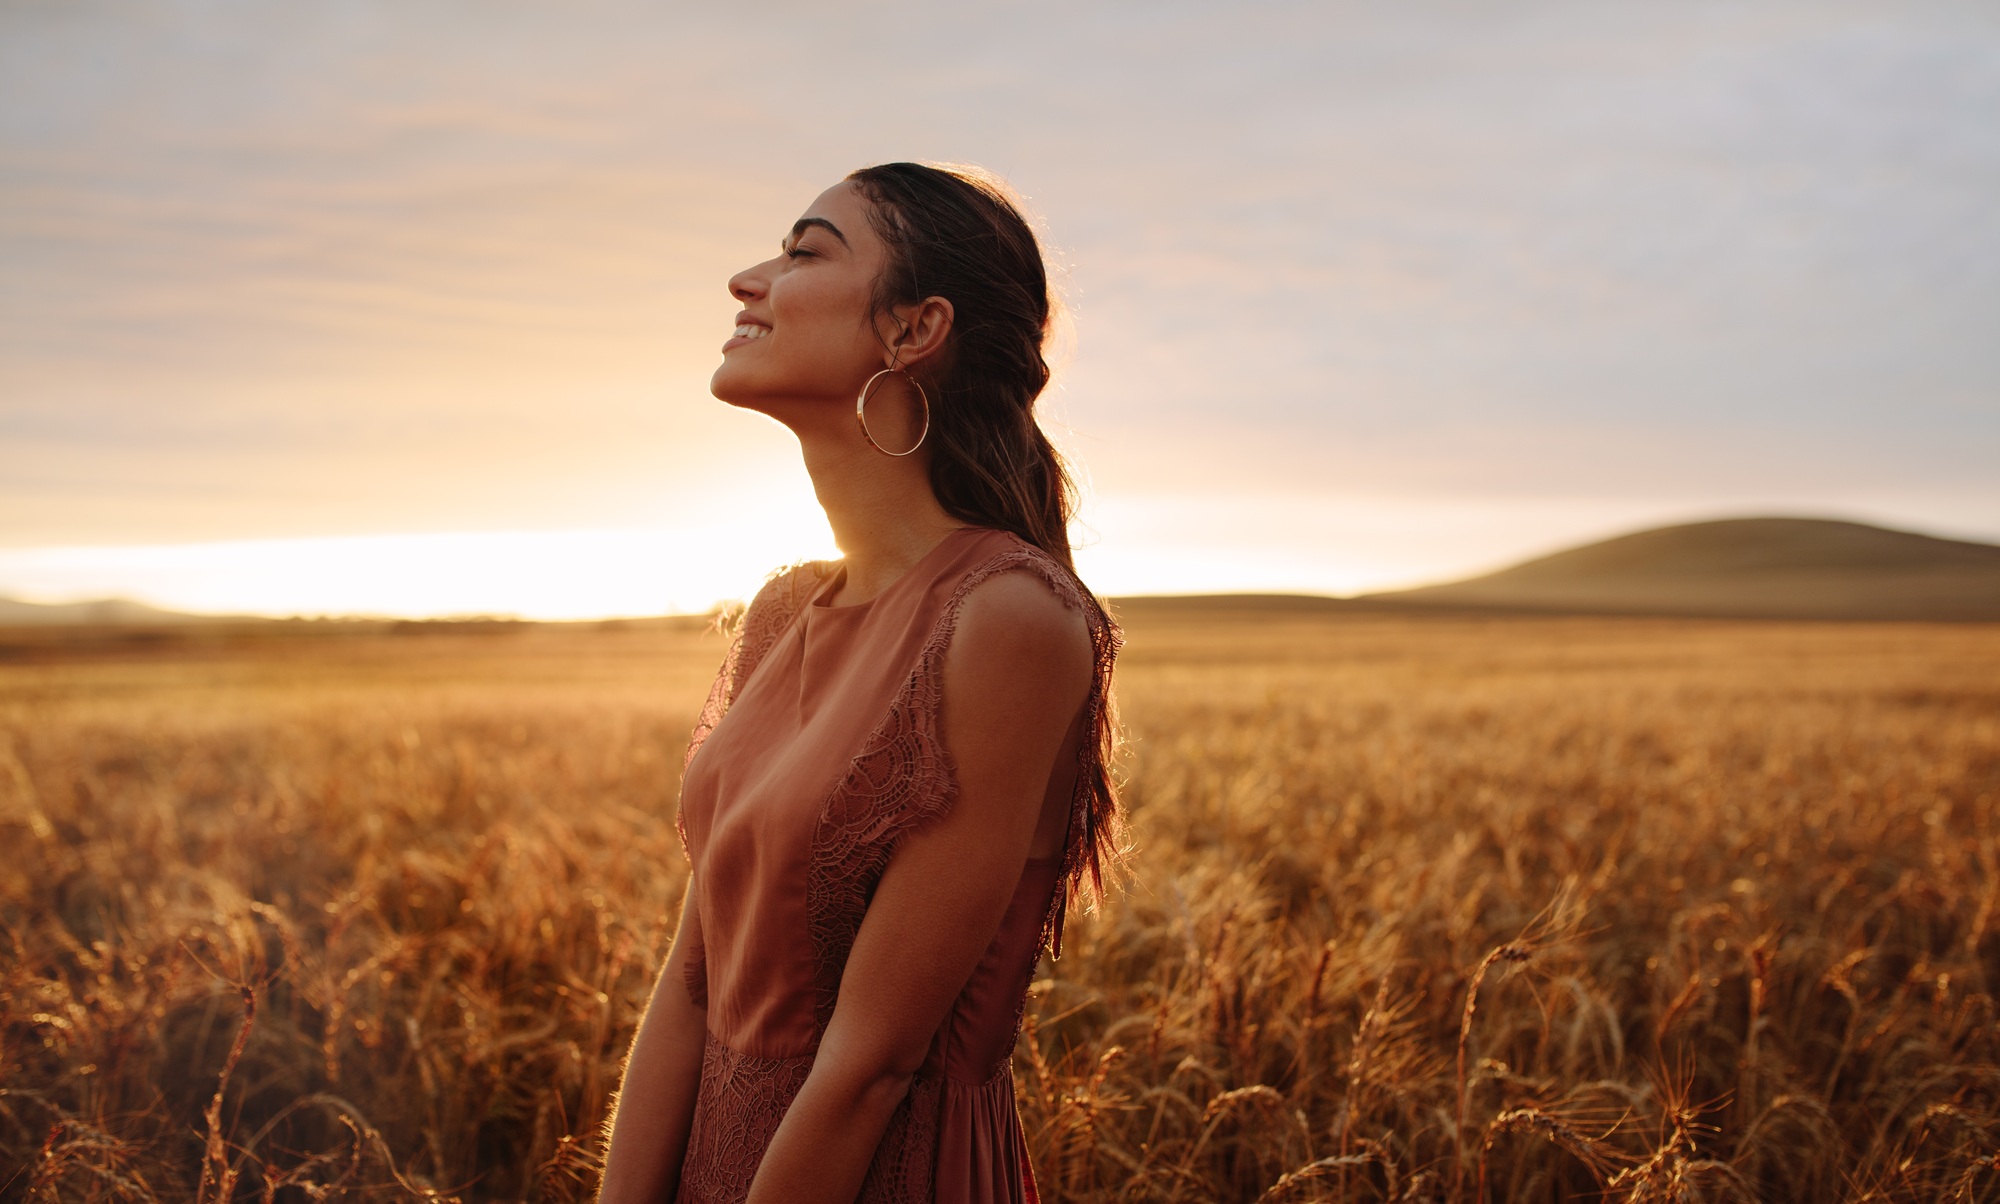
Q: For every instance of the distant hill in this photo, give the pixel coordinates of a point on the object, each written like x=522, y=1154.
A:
x=109, y=612
x=1791, y=568
x=1779, y=568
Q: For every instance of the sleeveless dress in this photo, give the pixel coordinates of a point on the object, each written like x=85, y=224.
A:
x=818, y=750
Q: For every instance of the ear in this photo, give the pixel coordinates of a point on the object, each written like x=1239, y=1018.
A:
x=917, y=332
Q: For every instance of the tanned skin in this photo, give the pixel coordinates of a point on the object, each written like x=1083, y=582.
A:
x=1015, y=680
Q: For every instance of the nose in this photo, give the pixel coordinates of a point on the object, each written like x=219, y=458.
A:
x=748, y=284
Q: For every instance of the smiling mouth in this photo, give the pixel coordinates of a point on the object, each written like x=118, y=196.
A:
x=751, y=332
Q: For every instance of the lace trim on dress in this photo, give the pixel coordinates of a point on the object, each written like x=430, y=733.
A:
x=744, y=1099
x=741, y=1102
x=904, y=1169
x=904, y=776
x=764, y=622
x=766, y=619
x=1085, y=815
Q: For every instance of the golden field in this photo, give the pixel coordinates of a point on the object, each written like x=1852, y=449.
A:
x=1436, y=908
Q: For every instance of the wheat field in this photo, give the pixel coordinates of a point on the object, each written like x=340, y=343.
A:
x=1418, y=909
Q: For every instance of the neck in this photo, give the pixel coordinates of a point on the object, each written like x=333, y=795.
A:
x=883, y=514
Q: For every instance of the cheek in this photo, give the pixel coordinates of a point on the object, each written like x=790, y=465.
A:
x=826, y=313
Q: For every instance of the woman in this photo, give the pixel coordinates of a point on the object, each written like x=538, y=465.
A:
x=900, y=776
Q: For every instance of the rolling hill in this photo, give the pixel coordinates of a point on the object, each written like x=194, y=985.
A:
x=1777, y=568
x=1790, y=568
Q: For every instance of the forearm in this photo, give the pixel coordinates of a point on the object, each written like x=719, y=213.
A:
x=655, y=1106
x=822, y=1150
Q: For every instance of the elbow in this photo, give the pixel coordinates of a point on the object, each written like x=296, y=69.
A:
x=867, y=1069
x=870, y=1086
x=885, y=1091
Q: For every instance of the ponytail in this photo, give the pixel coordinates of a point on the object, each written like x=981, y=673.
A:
x=954, y=232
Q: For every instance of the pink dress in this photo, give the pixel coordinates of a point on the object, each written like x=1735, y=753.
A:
x=819, y=749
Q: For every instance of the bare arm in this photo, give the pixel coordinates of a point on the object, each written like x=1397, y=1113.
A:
x=1015, y=677
x=655, y=1105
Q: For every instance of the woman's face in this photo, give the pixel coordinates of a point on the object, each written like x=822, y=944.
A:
x=805, y=334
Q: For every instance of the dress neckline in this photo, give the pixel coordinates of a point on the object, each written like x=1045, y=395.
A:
x=837, y=578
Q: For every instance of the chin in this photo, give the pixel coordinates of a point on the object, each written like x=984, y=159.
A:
x=729, y=388
x=724, y=388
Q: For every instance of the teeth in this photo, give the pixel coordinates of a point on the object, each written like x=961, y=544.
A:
x=752, y=332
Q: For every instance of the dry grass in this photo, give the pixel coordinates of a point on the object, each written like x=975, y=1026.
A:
x=1434, y=909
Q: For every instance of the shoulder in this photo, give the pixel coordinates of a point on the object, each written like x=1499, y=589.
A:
x=1019, y=607
x=1020, y=616
x=759, y=625
x=998, y=552
x=784, y=591
x=793, y=583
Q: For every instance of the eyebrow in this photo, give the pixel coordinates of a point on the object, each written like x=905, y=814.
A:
x=806, y=223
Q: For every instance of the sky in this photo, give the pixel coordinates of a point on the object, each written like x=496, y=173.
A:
x=367, y=307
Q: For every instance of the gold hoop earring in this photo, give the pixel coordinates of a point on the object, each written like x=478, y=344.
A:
x=861, y=411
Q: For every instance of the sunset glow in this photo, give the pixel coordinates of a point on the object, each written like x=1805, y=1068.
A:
x=1160, y=544
x=412, y=310
x=521, y=574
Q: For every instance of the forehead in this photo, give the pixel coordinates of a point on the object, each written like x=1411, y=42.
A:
x=845, y=206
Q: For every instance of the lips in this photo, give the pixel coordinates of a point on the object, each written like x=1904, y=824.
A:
x=746, y=332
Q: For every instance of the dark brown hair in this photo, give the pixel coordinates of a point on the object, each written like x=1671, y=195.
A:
x=955, y=232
